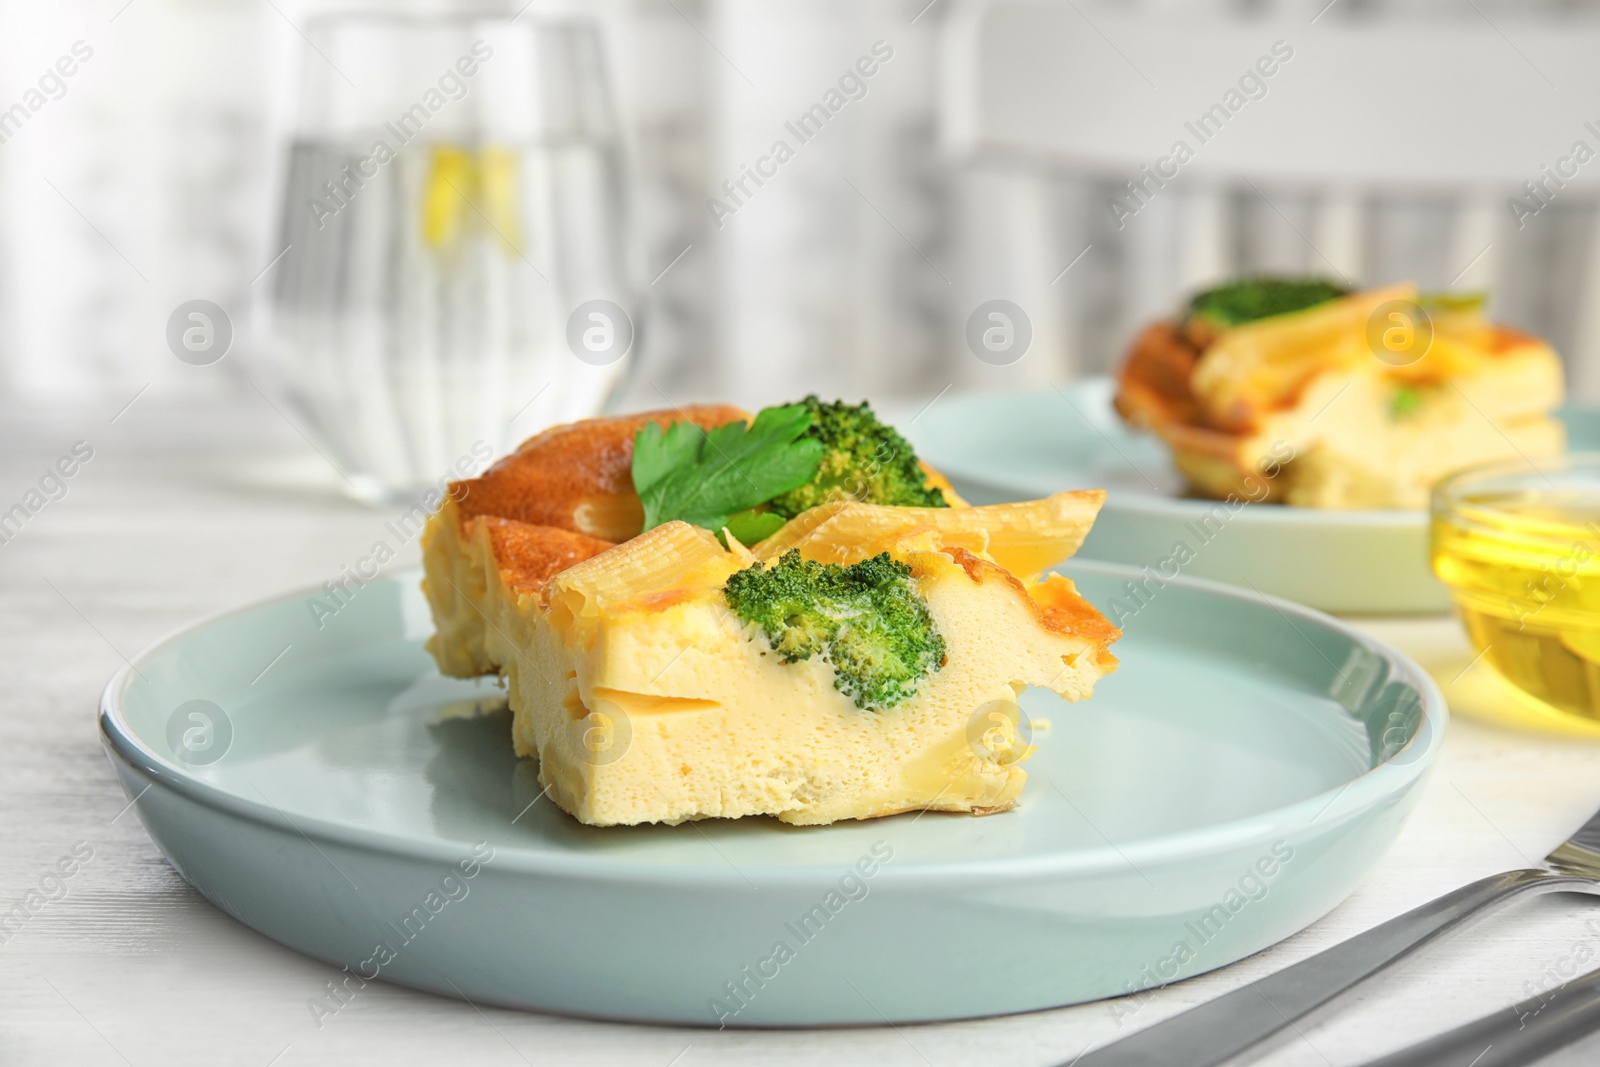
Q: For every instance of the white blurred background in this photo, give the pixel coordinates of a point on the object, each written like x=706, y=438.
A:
x=152, y=180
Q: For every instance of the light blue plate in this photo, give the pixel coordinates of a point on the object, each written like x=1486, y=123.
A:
x=1020, y=445
x=1231, y=783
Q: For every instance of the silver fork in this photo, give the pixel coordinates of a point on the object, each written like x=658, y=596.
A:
x=1220, y=1029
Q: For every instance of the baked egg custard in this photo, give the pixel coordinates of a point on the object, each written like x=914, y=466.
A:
x=860, y=656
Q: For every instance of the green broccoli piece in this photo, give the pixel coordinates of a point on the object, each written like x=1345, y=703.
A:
x=866, y=620
x=1446, y=303
x=865, y=460
x=1406, y=401
x=1258, y=298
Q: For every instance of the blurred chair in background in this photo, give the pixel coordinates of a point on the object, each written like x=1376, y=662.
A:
x=1373, y=143
x=975, y=163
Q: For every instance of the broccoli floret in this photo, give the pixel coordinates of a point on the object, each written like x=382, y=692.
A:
x=1406, y=401
x=865, y=460
x=1453, y=303
x=866, y=620
x=1259, y=298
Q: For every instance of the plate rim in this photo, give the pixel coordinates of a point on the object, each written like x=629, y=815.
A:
x=1387, y=780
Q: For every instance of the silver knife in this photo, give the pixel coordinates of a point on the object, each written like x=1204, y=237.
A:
x=1524, y=1033
x=1221, y=1029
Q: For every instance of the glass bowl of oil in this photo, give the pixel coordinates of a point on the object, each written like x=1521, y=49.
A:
x=1519, y=547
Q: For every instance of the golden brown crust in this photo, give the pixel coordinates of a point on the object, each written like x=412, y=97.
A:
x=1504, y=340
x=1063, y=610
x=969, y=563
x=1055, y=601
x=577, y=477
x=1155, y=377
x=528, y=556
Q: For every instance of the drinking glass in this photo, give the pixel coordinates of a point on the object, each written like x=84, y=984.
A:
x=455, y=273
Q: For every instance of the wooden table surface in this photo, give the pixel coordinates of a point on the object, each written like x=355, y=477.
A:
x=186, y=508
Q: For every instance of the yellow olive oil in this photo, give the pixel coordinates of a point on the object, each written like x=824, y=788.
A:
x=1524, y=567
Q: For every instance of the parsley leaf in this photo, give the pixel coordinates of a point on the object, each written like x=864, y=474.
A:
x=753, y=526
x=701, y=477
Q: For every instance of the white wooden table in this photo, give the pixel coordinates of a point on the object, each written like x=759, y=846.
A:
x=188, y=508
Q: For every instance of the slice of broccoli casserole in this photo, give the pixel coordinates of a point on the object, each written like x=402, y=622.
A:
x=856, y=659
